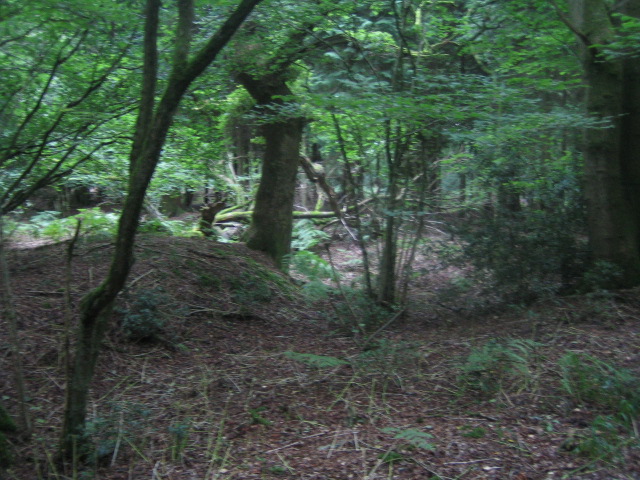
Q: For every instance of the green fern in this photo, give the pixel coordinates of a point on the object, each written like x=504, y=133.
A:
x=498, y=363
x=412, y=436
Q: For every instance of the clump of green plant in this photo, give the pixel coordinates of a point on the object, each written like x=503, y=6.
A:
x=49, y=224
x=592, y=382
x=314, y=270
x=305, y=235
x=601, y=275
x=122, y=425
x=405, y=439
x=257, y=418
x=179, y=433
x=176, y=228
x=144, y=320
x=528, y=253
x=605, y=439
x=209, y=281
x=412, y=436
x=498, y=363
x=473, y=432
x=356, y=313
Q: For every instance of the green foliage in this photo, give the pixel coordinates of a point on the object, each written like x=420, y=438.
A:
x=48, y=224
x=179, y=433
x=391, y=456
x=473, y=432
x=356, y=313
x=6, y=456
x=528, y=254
x=144, y=320
x=412, y=436
x=176, y=228
x=67, y=94
x=601, y=275
x=316, y=272
x=306, y=235
x=605, y=439
x=498, y=364
x=591, y=381
x=627, y=41
x=209, y=281
x=257, y=418
x=122, y=424
x=316, y=361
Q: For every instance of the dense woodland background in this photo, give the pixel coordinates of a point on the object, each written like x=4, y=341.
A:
x=494, y=141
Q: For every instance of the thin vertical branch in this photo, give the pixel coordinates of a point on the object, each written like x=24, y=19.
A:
x=356, y=207
x=10, y=314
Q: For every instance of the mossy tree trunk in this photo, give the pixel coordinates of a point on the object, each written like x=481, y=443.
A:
x=612, y=154
x=151, y=131
x=272, y=221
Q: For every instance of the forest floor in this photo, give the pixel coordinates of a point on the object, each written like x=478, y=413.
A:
x=244, y=377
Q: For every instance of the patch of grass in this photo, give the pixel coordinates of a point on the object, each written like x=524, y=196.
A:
x=473, y=432
x=316, y=361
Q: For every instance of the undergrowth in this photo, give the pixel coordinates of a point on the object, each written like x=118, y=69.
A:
x=499, y=364
x=612, y=391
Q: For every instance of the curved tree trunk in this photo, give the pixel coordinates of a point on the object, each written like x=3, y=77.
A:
x=150, y=135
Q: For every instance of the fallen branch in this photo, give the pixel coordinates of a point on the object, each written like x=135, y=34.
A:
x=246, y=216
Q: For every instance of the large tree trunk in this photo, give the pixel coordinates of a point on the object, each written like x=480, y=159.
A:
x=272, y=220
x=150, y=135
x=612, y=154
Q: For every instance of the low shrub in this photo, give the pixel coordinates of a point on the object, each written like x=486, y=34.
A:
x=499, y=364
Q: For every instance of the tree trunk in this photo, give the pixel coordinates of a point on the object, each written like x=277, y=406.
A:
x=387, y=277
x=150, y=135
x=272, y=220
x=612, y=156
x=630, y=129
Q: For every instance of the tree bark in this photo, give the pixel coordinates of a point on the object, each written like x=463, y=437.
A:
x=272, y=221
x=612, y=157
x=149, y=138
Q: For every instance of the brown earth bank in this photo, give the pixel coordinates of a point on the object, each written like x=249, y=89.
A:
x=219, y=367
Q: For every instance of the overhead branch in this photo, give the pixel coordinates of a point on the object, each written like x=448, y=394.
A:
x=576, y=31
